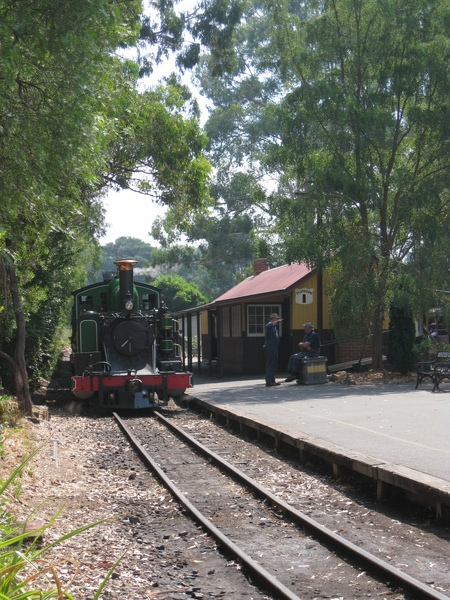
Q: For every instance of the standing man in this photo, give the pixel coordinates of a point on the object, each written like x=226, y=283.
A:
x=309, y=348
x=272, y=340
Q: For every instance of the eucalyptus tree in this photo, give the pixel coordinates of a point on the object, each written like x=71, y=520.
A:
x=57, y=74
x=157, y=147
x=220, y=242
x=72, y=123
x=186, y=29
x=358, y=135
x=372, y=79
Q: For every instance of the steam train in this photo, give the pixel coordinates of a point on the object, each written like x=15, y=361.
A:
x=124, y=344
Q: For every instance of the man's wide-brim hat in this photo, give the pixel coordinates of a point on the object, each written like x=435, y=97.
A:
x=275, y=316
x=308, y=324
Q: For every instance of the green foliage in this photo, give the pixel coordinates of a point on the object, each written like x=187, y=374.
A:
x=224, y=236
x=351, y=307
x=58, y=73
x=184, y=261
x=72, y=124
x=124, y=247
x=427, y=349
x=158, y=137
x=351, y=118
x=46, y=303
x=178, y=294
x=26, y=573
x=424, y=350
x=184, y=32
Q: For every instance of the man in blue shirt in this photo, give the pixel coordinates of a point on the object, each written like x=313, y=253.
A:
x=272, y=340
x=309, y=348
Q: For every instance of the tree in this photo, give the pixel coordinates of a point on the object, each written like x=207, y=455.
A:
x=58, y=69
x=178, y=294
x=157, y=148
x=223, y=237
x=185, y=32
x=72, y=124
x=124, y=247
x=357, y=133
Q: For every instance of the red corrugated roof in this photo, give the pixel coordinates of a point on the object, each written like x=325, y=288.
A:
x=272, y=281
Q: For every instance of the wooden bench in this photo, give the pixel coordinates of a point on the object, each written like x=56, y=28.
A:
x=428, y=369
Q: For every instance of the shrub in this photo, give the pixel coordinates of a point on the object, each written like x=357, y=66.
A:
x=401, y=339
x=427, y=349
x=10, y=415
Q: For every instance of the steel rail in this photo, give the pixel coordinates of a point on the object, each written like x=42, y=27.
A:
x=270, y=581
x=361, y=555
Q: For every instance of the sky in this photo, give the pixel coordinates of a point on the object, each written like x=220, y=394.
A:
x=130, y=214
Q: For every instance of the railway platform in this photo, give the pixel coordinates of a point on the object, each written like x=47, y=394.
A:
x=391, y=433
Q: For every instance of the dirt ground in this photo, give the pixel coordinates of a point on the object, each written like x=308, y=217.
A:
x=69, y=475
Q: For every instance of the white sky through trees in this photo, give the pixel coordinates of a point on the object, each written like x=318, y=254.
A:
x=130, y=214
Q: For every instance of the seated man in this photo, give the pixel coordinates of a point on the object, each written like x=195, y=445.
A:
x=309, y=348
x=433, y=330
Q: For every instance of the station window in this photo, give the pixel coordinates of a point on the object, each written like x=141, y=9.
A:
x=257, y=317
x=231, y=322
x=236, y=321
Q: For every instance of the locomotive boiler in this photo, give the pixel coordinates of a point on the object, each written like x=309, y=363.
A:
x=124, y=344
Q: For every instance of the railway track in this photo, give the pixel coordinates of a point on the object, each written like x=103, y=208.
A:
x=283, y=549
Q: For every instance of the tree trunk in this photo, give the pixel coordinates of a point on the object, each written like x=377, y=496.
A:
x=20, y=371
x=377, y=341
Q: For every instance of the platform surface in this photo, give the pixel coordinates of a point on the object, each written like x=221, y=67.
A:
x=391, y=422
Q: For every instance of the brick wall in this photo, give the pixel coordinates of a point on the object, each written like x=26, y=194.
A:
x=351, y=350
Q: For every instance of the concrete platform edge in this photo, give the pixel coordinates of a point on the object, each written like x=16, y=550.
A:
x=418, y=487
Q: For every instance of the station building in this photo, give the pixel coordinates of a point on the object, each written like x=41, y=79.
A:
x=227, y=335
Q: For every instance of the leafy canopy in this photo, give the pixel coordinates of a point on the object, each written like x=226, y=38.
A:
x=345, y=105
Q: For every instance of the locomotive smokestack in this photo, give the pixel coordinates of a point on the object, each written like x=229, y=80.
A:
x=126, y=280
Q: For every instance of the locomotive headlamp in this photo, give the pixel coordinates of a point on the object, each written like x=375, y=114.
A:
x=129, y=305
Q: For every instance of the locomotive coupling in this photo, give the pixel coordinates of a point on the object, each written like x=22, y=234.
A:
x=134, y=385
